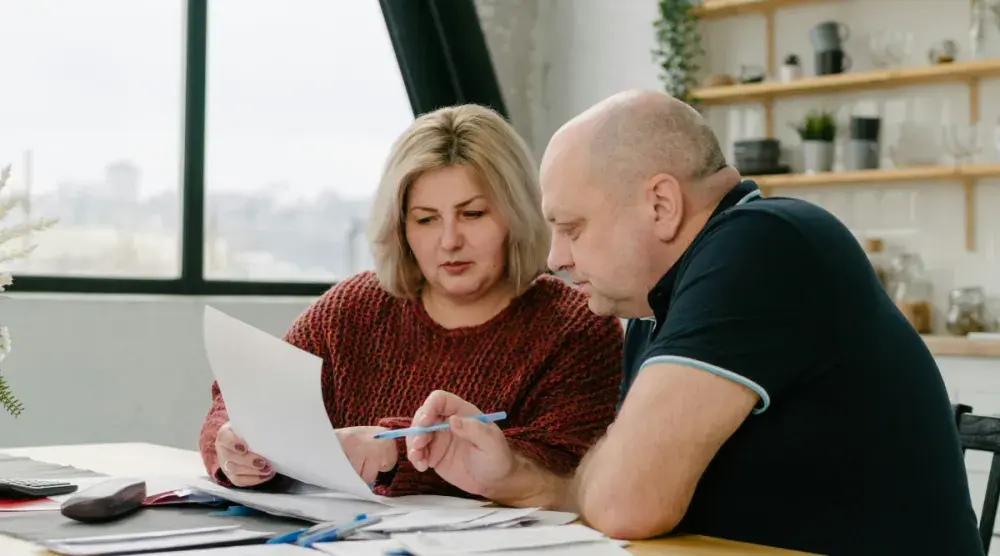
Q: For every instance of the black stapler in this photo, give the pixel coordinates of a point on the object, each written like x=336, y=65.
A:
x=105, y=501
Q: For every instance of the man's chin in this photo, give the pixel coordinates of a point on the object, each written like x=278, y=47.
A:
x=600, y=306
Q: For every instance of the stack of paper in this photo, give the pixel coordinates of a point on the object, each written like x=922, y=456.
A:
x=566, y=540
x=159, y=540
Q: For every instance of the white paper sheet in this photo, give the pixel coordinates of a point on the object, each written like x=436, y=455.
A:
x=244, y=550
x=163, y=540
x=275, y=402
x=428, y=520
x=495, y=540
x=316, y=505
x=358, y=548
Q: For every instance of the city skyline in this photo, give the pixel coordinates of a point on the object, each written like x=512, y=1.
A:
x=310, y=96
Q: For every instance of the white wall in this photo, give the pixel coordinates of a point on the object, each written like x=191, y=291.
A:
x=116, y=368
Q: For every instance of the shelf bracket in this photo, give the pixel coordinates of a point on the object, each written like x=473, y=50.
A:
x=973, y=100
x=968, y=183
x=969, y=191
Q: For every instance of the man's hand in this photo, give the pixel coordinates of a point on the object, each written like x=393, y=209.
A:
x=472, y=455
x=368, y=455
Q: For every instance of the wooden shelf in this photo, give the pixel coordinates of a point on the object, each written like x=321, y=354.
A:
x=868, y=177
x=880, y=79
x=717, y=9
x=961, y=346
x=966, y=176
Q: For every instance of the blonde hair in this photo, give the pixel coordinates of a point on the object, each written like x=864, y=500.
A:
x=479, y=138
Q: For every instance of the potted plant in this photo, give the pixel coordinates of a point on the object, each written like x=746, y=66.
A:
x=791, y=70
x=678, y=45
x=8, y=400
x=818, y=131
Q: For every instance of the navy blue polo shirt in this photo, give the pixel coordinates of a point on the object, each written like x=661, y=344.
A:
x=852, y=448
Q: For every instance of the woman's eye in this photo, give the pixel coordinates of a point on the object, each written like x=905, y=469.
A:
x=424, y=220
x=474, y=213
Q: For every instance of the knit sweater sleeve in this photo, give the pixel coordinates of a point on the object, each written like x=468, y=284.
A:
x=564, y=414
x=574, y=404
x=308, y=332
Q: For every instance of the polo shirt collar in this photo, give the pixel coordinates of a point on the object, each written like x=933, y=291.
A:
x=743, y=192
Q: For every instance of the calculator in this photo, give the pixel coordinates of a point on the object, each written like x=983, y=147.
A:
x=19, y=489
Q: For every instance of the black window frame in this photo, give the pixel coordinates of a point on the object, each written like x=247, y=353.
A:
x=444, y=60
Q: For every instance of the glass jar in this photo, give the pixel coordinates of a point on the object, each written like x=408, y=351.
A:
x=877, y=256
x=966, y=311
x=910, y=289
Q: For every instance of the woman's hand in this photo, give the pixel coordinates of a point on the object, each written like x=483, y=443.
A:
x=243, y=467
x=472, y=455
x=368, y=456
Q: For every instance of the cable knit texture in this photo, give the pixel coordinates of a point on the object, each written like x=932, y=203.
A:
x=546, y=360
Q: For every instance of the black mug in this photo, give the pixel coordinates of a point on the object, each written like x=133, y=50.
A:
x=832, y=61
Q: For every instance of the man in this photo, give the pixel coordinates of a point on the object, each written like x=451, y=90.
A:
x=772, y=392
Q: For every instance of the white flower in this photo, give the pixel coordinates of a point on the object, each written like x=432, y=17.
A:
x=5, y=343
x=6, y=279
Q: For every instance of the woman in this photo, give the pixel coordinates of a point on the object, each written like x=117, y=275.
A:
x=458, y=301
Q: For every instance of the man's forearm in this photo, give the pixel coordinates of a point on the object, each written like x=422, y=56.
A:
x=531, y=485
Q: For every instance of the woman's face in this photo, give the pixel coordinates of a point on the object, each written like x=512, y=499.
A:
x=455, y=233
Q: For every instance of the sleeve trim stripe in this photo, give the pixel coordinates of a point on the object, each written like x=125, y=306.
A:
x=765, y=399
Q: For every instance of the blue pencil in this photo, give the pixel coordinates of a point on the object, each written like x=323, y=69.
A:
x=413, y=431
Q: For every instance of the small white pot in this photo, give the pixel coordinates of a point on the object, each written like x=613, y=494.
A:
x=817, y=156
x=790, y=73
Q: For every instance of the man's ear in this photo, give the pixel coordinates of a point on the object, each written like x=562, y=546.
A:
x=667, y=199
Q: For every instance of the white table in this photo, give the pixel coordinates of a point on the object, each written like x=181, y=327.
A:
x=149, y=460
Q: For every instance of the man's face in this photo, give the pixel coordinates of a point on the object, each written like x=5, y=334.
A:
x=601, y=236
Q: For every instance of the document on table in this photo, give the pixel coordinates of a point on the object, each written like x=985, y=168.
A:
x=245, y=550
x=562, y=540
x=275, y=402
x=148, y=542
x=312, y=504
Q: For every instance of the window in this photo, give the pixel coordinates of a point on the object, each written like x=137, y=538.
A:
x=91, y=113
x=302, y=107
x=206, y=147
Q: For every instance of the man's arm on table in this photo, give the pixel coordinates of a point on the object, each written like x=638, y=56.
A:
x=638, y=479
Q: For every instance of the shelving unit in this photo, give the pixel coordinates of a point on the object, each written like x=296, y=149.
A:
x=955, y=72
x=960, y=346
x=968, y=73
x=718, y=9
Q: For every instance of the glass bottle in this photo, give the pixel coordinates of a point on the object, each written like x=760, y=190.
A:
x=966, y=311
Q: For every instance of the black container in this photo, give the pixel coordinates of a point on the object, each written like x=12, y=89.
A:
x=831, y=62
x=865, y=128
x=757, y=156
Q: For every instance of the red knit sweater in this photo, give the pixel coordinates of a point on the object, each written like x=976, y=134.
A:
x=546, y=360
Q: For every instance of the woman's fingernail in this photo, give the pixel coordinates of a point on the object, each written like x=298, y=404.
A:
x=241, y=448
x=259, y=463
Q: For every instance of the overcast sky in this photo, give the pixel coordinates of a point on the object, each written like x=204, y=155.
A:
x=305, y=92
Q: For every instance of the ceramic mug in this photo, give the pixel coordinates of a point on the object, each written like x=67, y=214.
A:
x=829, y=35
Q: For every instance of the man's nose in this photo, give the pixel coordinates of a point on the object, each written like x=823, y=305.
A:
x=559, y=255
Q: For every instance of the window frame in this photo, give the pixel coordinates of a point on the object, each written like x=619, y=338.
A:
x=444, y=60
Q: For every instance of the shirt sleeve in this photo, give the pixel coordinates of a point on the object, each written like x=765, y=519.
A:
x=741, y=306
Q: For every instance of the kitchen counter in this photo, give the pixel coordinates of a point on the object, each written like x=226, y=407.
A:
x=956, y=346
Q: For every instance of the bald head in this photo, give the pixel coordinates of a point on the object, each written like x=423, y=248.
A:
x=636, y=134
